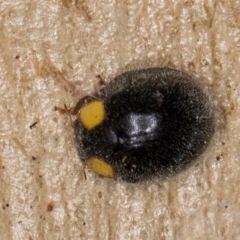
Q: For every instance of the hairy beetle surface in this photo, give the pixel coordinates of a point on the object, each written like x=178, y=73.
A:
x=146, y=123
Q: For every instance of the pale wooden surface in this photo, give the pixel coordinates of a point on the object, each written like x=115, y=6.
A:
x=43, y=192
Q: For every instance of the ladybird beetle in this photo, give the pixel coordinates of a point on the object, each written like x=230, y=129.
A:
x=146, y=123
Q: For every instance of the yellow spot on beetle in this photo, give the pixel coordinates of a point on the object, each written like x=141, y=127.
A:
x=92, y=114
x=101, y=167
